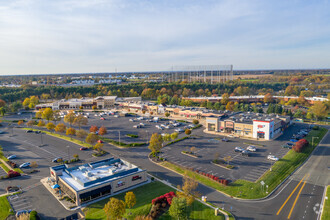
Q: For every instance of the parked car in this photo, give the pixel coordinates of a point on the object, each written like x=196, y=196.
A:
x=100, y=141
x=102, y=118
x=10, y=157
x=272, y=157
x=24, y=165
x=29, y=131
x=57, y=159
x=83, y=148
x=245, y=153
x=116, y=116
x=251, y=148
x=224, y=139
x=231, y=136
x=293, y=140
x=290, y=144
x=238, y=149
x=1, y=132
x=179, y=130
x=37, y=132
x=287, y=146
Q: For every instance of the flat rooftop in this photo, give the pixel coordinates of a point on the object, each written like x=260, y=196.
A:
x=91, y=174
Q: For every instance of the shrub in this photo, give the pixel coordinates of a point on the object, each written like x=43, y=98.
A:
x=302, y=143
x=195, y=122
x=12, y=173
x=34, y=215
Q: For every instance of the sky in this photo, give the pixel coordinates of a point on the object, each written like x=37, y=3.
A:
x=86, y=36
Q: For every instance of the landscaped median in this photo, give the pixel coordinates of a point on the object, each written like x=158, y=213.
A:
x=4, y=163
x=253, y=190
x=78, y=142
x=5, y=208
x=326, y=205
x=144, y=196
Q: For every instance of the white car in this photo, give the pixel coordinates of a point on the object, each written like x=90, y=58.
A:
x=251, y=148
x=24, y=165
x=272, y=157
x=231, y=136
x=11, y=157
x=179, y=130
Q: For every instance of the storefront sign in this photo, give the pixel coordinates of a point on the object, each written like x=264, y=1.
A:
x=229, y=124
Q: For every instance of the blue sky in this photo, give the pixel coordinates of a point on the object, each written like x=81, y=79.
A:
x=64, y=36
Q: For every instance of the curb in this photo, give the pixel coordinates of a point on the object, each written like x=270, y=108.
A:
x=319, y=216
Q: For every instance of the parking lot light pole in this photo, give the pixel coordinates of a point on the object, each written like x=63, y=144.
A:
x=119, y=137
x=68, y=152
x=313, y=140
x=41, y=140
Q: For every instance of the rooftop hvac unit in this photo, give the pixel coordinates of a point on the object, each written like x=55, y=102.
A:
x=89, y=174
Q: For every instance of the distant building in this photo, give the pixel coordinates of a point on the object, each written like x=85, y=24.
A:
x=88, y=182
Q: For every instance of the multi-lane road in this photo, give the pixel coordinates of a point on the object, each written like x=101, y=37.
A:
x=299, y=197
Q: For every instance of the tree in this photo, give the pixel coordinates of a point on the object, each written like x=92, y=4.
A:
x=114, y=209
x=188, y=188
x=2, y=111
x=70, y=131
x=156, y=142
x=50, y=126
x=2, y=103
x=81, y=134
x=91, y=138
x=167, y=137
x=41, y=123
x=167, y=114
x=47, y=114
x=270, y=109
x=130, y=199
x=225, y=99
x=187, y=132
x=178, y=208
x=228, y=159
x=268, y=98
x=195, y=122
x=20, y=122
x=70, y=118
x=26, y=102
x=80, y=120
x=60, y=128
x=30, y=123
x=174, y=135
x=102, y=130
x=230, y=106
x=93, y=129
x=319, y=110
x=98, y=147
x=298, y=114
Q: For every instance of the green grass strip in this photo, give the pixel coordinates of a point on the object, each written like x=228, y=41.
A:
x=326, y=206
x=4, y=208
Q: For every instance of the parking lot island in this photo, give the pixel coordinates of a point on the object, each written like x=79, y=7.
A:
x=88, y=182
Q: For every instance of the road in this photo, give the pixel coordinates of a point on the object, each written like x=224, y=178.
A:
x=306, y=205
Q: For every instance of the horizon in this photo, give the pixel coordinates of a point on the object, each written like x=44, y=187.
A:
x=67, y=37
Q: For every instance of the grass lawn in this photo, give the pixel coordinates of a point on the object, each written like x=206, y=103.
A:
x=250, y=190
x=144, y=195
x=4, y=207
x=326, y=206
x=63, y=137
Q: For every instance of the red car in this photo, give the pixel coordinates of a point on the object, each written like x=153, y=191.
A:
x=102, y=118
x=83, y=148
x=100, y=141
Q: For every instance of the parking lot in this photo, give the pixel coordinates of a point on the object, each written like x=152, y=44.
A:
x=207, y=146
x=124, y=125
x=19, y=202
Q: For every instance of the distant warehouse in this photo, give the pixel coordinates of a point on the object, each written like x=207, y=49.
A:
x=91, y=181
x=249, y=125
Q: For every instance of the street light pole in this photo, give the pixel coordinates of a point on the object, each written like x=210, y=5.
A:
x=41, y=139
x=68, y=152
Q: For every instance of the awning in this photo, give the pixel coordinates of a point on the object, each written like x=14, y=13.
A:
x=55, y=186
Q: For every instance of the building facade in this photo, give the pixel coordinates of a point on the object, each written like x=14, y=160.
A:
x=91, y=181
x=249, y=125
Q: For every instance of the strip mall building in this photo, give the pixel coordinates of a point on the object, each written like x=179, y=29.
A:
x=91, y=181
x=249, y=125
